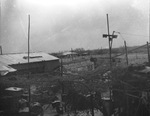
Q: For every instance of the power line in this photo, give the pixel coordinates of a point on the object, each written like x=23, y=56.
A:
x=133, y=34
x=120, y=35
x=131, y=50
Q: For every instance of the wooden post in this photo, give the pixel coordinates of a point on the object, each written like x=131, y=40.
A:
x=110, y=46
x=126, y=52
x=28, y=63
x=127, y=102
x=92, y=105
x=28, y=41
x=101, y=51
x=61, y=67
x=72, y=54
x=148, y=53
x=62, y=86
x=109, y=41
x=0, y=20
x=1, y=50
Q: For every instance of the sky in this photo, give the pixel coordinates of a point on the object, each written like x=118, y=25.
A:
x=59, y=25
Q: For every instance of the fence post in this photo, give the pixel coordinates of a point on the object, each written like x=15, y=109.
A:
x=126, y=52
x=148, y=54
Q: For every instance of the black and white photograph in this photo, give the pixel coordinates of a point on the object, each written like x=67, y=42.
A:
x=74, y=58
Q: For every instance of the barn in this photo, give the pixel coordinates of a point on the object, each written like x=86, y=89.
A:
x=39, y=62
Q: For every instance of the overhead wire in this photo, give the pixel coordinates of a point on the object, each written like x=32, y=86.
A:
x=134, y=34
x=120, y=35
x=129, y=50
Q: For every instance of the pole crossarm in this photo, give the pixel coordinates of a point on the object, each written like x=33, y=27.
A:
x=110, y=36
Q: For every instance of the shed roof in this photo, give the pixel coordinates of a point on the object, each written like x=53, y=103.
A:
x=21, y=58
x=69, y=53
x=14, y=89
x=4, y=68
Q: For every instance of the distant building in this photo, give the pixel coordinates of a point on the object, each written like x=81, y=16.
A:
x=69, y=54
x=38, y=62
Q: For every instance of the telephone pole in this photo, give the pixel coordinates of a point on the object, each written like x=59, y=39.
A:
x=110, y=40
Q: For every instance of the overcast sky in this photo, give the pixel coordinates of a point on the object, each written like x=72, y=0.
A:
x=58, y=25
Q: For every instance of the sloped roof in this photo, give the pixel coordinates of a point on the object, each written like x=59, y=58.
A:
x=6, y=68
x=69, y=53
x=21, y=58
x=14, y=89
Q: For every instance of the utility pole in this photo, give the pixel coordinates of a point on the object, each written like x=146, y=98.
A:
x=28, y=63
x=0, y=19
x=110, y=40
x=126, y=52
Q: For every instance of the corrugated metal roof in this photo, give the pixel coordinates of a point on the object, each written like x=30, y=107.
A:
x=9, y=59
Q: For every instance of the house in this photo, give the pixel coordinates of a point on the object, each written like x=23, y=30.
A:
x=38, y=62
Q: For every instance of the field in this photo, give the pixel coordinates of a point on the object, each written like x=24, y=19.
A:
x=72, y=68
x=79, y=64
x=136, y=58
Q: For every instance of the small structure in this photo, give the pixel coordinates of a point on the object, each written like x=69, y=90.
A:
x=38, y=62
x=69, y=54
x=9, y=101
x=5, y=69
x=14, y=89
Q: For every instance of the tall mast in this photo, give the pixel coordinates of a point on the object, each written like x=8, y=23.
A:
x=28, y=63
